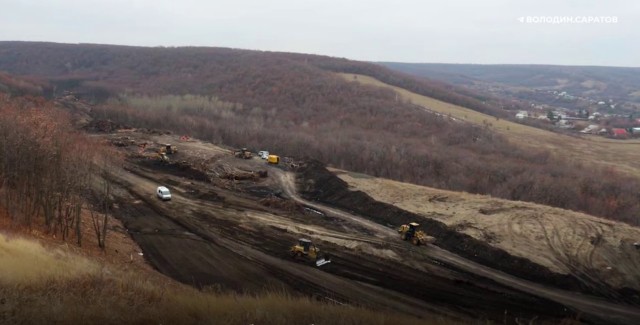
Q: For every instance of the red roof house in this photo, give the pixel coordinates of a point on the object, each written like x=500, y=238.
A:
x=619, y=133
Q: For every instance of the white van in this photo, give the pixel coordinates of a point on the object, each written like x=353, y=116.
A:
x=263, y=154
x=163, y=193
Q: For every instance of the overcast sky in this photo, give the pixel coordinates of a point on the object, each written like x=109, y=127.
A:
x=451, y=31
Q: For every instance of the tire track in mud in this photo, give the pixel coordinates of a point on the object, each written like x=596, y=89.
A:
x=462, y=295
x=178, y=259
x=578, y=262
x=301, y=280
x=593, y=306
x=186, y=257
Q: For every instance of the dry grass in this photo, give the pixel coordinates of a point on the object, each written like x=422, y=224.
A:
x=621, y=155
x=41, y=285
x=25, y=261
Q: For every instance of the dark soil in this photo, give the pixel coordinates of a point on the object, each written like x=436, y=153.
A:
x=317, y=183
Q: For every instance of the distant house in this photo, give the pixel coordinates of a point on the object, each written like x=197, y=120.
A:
x=593, y=128
x=619, y=133
x=564, y=124
x=522, y=115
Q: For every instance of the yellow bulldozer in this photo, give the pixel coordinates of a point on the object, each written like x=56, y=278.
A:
x=164, y=152
x=306, y=250
x=411, y=233
x=168, y=149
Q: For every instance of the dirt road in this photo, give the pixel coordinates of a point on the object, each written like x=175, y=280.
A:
x=589, y=305
x=225, y=248
x=230, y=235
x=567, y=242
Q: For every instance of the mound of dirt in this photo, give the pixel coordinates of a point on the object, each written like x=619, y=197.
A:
x=177, y=168
x=318, y=183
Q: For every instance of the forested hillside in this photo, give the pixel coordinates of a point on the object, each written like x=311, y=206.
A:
x=267, y=79
x=293, y=104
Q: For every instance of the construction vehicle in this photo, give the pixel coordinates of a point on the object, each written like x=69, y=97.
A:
x=243, y=153
x=306, y=250
x=411, y=233
x=168, y=149
x=163, y=157
x=273, y=159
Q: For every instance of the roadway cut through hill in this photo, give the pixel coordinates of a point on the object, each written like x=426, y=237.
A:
x=228, y=237
x=319, y=184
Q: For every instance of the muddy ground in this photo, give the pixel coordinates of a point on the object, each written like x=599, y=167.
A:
x=229, y=228
x=594, y=250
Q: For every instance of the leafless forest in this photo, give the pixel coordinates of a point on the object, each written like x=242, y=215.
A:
x=293, y=104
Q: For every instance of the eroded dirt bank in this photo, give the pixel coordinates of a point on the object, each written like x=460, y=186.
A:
x=231, y=244
x=319, y=184
x=229, y=228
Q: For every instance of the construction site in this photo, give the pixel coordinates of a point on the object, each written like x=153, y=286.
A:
x=246, y=221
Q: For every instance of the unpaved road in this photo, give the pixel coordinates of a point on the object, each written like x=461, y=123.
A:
x=567, y=242
x=589, y=305
x=206, y=249
x=224, y=238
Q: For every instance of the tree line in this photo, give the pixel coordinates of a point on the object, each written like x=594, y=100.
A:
x=250, y=77
x=295, y=105
x=49, y=172
x=392, y=139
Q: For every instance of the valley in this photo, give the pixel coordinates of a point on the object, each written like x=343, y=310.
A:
x=238, y=234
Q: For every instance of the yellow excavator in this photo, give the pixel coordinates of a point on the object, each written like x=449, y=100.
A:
x=243, y=153
x=411, y=233
x=306, y=250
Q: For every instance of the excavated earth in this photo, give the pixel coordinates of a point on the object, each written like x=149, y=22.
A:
x=231, y=222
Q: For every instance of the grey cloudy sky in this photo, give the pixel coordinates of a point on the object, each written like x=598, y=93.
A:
x=451, y=31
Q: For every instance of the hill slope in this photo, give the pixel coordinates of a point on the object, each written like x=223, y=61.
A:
x=532, y=81
x=563, y=241
x=296, y=105
x=252, y=77
x=72, y=289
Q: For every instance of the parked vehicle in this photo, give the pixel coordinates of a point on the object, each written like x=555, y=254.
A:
x=163, y=193
x=273, y=159
x=243, y=153
x=263, y=154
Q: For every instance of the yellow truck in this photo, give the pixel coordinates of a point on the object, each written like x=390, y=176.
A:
x=273, y=159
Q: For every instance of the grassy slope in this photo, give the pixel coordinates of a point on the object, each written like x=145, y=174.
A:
x=557, y=239
x=41, y=285
x=620, y=155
